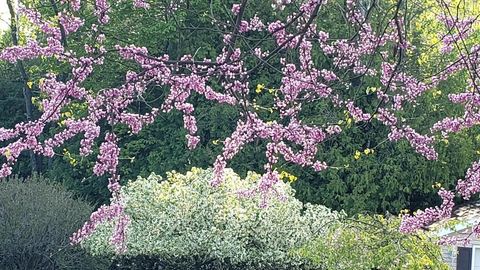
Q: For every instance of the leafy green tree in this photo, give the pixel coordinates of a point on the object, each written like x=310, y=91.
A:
x=367, y=242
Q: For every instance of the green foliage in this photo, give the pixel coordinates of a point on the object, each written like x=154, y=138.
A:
x=12, y=107
x=372, y=242
x=186, y=224
x=79, y=179
x=36, y=221
x=391, y=179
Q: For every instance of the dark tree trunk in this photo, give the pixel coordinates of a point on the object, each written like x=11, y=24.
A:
x=27, y=93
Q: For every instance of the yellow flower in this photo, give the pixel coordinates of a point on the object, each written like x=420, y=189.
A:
x=357, y=155
x=29, y=84
x=215, y=142
x=259, y=89
x=368, y=151
x=7, y=153
x=425, y=261
x=437, y=185
x=291, y=178
x=436, y=93
x=370, y=90
x=73, y=162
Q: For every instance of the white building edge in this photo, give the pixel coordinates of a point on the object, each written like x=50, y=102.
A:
x=463, y=255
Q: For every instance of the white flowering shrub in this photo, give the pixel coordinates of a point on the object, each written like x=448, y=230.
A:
x=183, y=222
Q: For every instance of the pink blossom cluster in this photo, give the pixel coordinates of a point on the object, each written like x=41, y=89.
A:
x=103, y=214
x=255, y=24
x=308, y=137
x=357, y=113
x=236, y=9
x=75, y=4
x=118, y=239
x=280, y=4
x=471, y=184
x=102, y=8
x=141, y=4
x=423, y=144
x=70, y=23
x=423, y=218
x=457, y=30
x=108, y=158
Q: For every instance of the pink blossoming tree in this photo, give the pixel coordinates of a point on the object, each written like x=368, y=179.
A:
x=376, y=53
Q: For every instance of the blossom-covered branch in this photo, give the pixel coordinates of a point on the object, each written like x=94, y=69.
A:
x=288, y=46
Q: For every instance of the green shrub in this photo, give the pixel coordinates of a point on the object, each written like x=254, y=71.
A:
x=184, y=223
x=36, y=221
x=372, y=242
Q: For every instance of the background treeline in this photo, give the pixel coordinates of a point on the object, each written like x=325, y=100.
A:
x=391, y=178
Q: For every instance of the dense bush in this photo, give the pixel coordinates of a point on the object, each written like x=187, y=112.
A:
x=184, y=223
x=372, y=242
x=36, y=221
